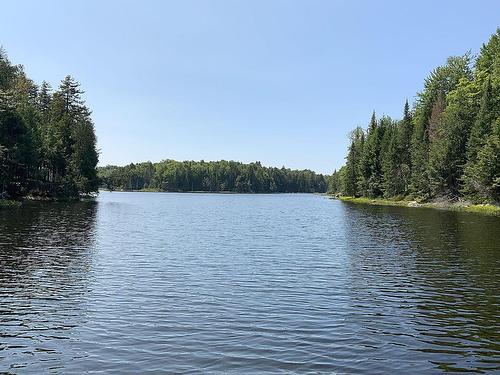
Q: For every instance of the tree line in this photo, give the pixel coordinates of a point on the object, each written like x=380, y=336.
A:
x=213, y=176
x=446, y=146
x=47, y=138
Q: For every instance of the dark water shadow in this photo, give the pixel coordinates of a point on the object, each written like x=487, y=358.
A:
x=46, y=255
x=430, y=277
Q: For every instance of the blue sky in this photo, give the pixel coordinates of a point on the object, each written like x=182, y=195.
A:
x=282, y=82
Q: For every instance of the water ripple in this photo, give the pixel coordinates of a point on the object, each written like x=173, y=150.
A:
x=190, y=283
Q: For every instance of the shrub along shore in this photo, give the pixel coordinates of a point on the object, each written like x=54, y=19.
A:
x=484, y=209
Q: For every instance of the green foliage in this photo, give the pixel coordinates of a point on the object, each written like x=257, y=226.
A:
x=430, y=145
x=47, y=140
x=368, y=161
x=483, y=175
x=217, y=176
x=392, y=175
x=352, y=170
x=447, y=146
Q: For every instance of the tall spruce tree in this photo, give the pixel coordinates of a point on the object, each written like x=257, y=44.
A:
x=404, y=135
x=486, y=172
x=353, y=161
x=370, y=181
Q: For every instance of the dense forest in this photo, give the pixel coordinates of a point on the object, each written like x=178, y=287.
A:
x=47, y=138
x=446, y=147
x=213, y=176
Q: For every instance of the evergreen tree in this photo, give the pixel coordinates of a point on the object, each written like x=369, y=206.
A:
x=47, y=141
x=479, y=136
x=404, y=134
x=13, y=150
x=391, y=161
x=353, y=161
x=447, y=146
x=486, y=173
x=370, y=181
x=431, y=175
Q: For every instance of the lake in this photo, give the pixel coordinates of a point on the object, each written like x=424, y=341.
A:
x=233, y=283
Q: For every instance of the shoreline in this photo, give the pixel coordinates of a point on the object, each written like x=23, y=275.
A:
x=15, y=203
x=199, y=192
x=483, y=209
x=6, y=203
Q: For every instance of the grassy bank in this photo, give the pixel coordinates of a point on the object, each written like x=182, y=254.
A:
x=484, y=209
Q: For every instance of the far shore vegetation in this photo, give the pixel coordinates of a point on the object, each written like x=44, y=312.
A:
x=211, y=176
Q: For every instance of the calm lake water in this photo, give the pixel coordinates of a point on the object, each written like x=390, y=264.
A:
x=205, y=283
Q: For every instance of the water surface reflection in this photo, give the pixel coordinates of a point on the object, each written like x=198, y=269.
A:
x=427, y=281
x=190, y=283
x=45, y=256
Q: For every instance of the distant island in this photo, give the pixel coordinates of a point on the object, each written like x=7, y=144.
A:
x=446, y=148
x=212, y=176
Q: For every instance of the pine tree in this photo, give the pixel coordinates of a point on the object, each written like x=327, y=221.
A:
x=84, y=156
x=391, y=161
x=486, y=172
x=353, y=162
x=480, y=135
x=404, y=136
x=44, y=99
x=482, y=126
x=370, y=180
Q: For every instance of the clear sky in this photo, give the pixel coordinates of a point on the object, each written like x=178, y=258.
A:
x=282, y=82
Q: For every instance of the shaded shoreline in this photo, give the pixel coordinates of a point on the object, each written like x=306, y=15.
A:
x=9, y=203
x=483, y=209
x=14, y=203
